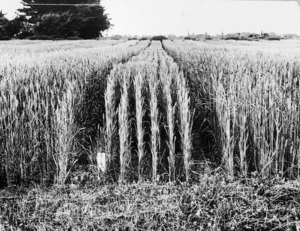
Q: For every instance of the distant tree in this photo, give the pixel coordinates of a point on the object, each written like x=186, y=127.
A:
x=291, y=36
x=16, y=26
x=94, y=21
x=2, y=17
x=58, y=25
x=64, y=18
x=159, y=38
x=3, y=23
x=34, y=9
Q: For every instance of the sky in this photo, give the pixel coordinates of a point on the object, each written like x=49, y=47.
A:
x=182, y=17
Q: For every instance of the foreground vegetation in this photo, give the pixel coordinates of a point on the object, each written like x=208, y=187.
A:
x=214, y=203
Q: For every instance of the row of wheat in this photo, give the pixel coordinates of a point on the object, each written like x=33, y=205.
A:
x=254, y=97
x=143, y=99
x=41, y=99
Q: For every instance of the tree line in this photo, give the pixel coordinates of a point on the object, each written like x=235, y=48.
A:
x=56, y=19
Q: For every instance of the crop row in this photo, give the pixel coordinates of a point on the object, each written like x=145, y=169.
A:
x=43, y=94
x=148, y=118
x=251, y=100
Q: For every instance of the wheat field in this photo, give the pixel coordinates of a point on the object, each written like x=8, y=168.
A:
x=155, y=108
x=173, y=112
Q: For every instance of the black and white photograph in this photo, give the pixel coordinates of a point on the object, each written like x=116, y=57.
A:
x=161, y=115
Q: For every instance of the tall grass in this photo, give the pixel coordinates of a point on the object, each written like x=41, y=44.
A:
x=124, y=129
x=154, y=74
x=255, y=98
x=140, y=112
x=110, y=116
x=139, y=76
x=175, y=80
x=154, y=114
x=168, y=88
x=185, y=123
x=41, y=96
x=160, y=114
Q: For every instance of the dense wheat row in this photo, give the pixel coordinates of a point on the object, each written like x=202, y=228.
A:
x=251, y=99
x=143, y=98
x=45, y=94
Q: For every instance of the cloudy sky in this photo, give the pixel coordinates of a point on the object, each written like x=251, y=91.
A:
x=180, y=17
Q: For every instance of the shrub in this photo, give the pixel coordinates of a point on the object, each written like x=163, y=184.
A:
x=232, y=38
x=144, y=38
x=159, y=38
x=116, y=37
x=24, y=35
x=274, y=38
x=40, y=37
x=74, y=38
x=189, y=38
x=208, y=38
x=4, y=38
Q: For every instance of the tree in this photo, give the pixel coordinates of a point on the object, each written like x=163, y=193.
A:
x=34, y=9
x=65, y=18
x=16, y=26
x=91, y=18
x=58, y=25
x=3, y=23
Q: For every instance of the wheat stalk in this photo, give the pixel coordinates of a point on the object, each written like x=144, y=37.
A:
x=153, y=86
x=124, y=129
x=140, y=112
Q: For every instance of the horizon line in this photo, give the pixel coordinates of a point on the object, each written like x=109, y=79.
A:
x=267, y=1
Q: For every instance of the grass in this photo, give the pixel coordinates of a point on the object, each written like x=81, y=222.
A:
x=48, y=103
x=143, y=77
x=249, y=100
x=140, y=112
x=124, y=130
x=168, y=88
x=216, y=203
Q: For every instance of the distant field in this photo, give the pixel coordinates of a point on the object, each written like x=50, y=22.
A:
x=217, y=114
x=283, y=47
